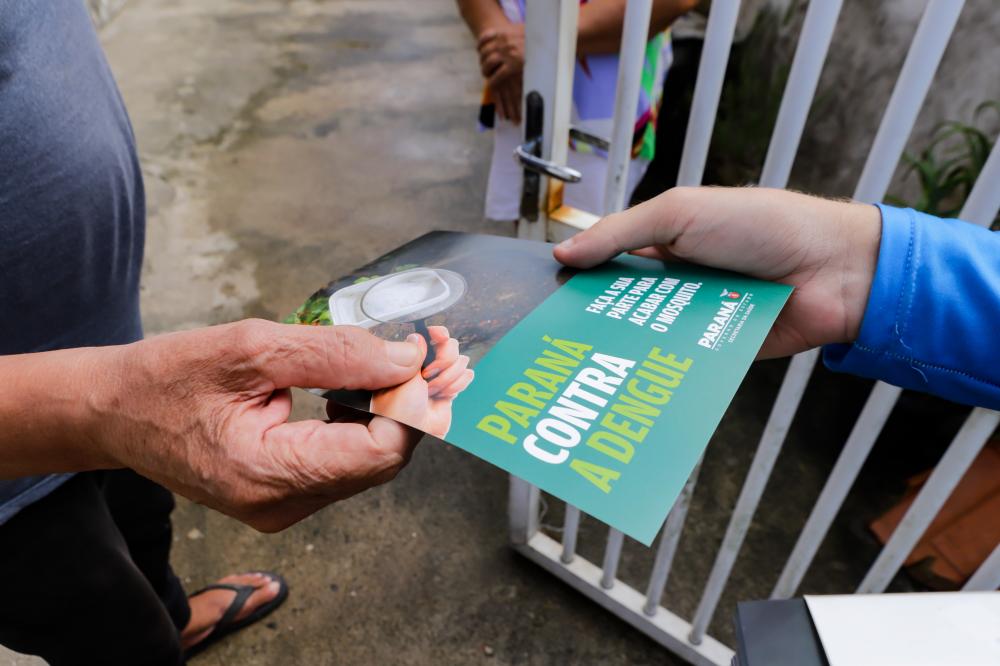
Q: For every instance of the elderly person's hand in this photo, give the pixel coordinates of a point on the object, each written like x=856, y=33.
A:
x=205, y=413
x=425, y=400
x=826, y=249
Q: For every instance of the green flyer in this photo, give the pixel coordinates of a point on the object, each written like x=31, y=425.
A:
x=601, y=387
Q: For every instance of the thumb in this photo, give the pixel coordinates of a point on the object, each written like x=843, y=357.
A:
x=331, y=357
x=655, y=222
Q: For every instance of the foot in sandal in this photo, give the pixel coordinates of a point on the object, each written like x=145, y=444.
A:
x=228, y=605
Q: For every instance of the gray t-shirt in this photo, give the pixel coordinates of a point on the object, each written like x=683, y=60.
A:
x=72, y=209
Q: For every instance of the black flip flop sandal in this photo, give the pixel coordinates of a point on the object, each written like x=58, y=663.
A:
x=226, y=625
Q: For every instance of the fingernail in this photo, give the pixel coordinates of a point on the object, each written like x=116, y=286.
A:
x=566, y=244
x=273, y=586
x=413, y=338
x=404, y=353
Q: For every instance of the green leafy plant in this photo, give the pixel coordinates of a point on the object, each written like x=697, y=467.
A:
x=315, y=311
x=947, y=168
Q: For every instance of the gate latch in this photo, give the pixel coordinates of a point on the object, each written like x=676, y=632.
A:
x=525, y=154
x=529, y=156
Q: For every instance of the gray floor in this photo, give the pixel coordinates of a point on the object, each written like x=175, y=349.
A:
x=285, y=143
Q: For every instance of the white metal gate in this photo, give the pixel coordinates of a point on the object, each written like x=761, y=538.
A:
x=550, y=53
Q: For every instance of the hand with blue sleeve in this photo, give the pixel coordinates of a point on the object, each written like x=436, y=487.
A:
x=892, y=294
x=933, y=319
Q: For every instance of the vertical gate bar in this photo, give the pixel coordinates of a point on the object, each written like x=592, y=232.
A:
x=922, y=59
x=859, y=444
x=668, y=544
x=708, y=88
x=807, y=66
x=635, y=34
x=810, y=54
x=907, y=97
x=980, y=208
x=549, y=60
x=976, y=430
x=522, y=510
x=612, y=553
x=571, y=525
x=785, y=406
x=987, y=576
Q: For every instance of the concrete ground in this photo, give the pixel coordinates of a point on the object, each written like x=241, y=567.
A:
x=287, y=142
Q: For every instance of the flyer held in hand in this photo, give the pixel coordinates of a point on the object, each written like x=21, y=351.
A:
x=601, y=387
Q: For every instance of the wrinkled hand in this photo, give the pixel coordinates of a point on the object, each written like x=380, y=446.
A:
x=205, y=413
x=501, y=61
x=425, y=400
x=826, y=249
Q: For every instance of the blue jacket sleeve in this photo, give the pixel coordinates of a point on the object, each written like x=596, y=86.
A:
x=932, y=322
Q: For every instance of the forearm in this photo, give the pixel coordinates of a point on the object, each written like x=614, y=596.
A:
x=48, y=403
x=933, y=314
x=601, y=21
x=481, y=15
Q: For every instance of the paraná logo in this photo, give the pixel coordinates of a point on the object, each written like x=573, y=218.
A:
x=730, y=294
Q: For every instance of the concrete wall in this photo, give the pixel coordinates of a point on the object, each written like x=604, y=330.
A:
x=869, y=46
